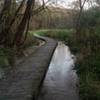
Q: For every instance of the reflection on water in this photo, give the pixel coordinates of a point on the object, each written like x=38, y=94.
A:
x=61, y=79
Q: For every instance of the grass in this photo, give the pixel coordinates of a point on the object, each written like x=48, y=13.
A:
x=5, y=54
x=87, y=50
x=60, y=34
x=3, y=58
x=88, y=65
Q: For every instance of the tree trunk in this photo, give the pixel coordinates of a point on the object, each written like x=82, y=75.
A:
x=78, y=25
x=5, y=19
x=19, y=34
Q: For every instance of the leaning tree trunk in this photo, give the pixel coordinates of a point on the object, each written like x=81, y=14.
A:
x=78, y=24
x=20, y=32
x=5, y=19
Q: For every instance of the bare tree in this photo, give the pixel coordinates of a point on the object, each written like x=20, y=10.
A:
x=13, y=39
x=5, y=18
x=22, y=29
x=19, y=34
x=81, y=7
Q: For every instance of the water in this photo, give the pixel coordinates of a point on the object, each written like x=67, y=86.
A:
x=61, y=80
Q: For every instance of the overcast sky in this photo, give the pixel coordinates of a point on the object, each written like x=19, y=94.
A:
x=63, y=3
x=66, y=3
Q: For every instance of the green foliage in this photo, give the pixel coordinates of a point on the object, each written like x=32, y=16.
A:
x=90, y=18
x=61, y=34
x=88, y=59
x=7, y=57
x=3, y=58
x=88, y=64
x=87, y=50
x=3, y=62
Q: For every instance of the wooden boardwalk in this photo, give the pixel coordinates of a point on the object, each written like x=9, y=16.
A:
x=24, y=82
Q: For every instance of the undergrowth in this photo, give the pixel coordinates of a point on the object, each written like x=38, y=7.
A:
x=87, y=51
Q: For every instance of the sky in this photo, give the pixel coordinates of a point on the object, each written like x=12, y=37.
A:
x=63, y=3
x=66, y=3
